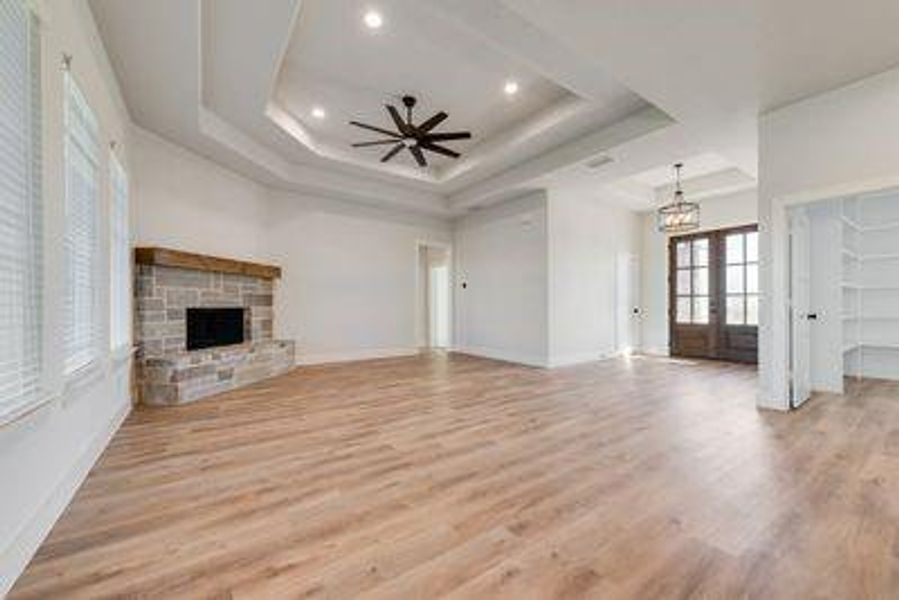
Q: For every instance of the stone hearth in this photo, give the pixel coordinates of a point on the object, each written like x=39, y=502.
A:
x=167, y=284
x=186, y=376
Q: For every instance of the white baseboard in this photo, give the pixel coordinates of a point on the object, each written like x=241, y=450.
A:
x=581, y=358
x=655, y=351
x=353, y=355
x=504, y=355
x=18, y=554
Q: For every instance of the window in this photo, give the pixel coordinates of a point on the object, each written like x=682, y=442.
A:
x=20, y=209
x=742, y=278
x=82, y=203
x=692, y=281
x=120, y=253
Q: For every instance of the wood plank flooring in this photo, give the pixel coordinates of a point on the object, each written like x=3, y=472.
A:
x=457, y=477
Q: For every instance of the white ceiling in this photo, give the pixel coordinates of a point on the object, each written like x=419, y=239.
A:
x=234, y=81
x=444, y=66
x=694, y=166
x=811, y=46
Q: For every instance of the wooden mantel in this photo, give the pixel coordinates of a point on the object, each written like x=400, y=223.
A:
x=168, y=257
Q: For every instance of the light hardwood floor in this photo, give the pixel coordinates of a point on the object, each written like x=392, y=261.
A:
x=466, y=478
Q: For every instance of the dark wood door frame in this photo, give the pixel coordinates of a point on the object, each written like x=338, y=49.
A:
x=715, y=339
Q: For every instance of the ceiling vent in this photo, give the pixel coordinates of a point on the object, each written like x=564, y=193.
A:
x=598, y=162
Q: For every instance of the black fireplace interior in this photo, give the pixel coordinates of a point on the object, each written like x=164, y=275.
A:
x=210, y=327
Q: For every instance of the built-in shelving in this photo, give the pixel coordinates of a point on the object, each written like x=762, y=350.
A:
x=870, y=284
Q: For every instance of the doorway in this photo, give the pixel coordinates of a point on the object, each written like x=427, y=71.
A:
x=434, y=304
x=714, y=294
x=627, y=309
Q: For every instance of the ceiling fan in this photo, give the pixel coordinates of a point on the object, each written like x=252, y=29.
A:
x=416, y=138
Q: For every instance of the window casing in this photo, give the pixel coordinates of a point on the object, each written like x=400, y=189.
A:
x=21, y=216
x=82, y=248
x=120, y=258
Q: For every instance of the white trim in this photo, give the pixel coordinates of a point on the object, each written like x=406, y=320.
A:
x=654, y=351
x=504, y=355
x=339, y=356
x=19, y=552
x=774, y=377
x=83, y=376
x=580, y=358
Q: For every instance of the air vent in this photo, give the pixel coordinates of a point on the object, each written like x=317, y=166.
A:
x=598, y=162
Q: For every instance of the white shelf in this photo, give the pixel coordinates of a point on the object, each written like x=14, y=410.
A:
x=851, y=223
x=880, y=345
x=874, y=264
x=881, y=227
x=873, y=257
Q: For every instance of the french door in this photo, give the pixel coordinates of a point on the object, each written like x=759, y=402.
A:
x=714, y=295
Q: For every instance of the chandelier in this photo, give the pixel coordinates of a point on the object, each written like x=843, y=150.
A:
x=678, y=216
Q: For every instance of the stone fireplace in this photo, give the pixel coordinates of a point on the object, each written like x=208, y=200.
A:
x=168, y=284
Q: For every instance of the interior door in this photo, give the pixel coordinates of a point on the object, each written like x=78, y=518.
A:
x=800, y=294
x=627, y=326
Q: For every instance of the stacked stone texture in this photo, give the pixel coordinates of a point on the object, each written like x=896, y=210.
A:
x=167, y=372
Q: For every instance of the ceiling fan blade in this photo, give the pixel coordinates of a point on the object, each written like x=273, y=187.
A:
x=401, y=125
x=378, y=143
x=392, y=134
x=445, y=137
x=432, y=122
x=439, y=149
x=419, y=156
x=392, y=152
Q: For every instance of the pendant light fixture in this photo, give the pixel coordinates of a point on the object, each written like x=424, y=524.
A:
x=678, y=216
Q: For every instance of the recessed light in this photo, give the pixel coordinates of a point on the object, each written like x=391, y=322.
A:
x=318, y=112
x=373, y=20
x=511, y=88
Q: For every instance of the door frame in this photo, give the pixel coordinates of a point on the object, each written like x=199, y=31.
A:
x=718, y=329
x=422, y=290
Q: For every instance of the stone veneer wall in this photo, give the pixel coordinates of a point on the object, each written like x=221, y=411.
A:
x=164, y=293
x=169, y=374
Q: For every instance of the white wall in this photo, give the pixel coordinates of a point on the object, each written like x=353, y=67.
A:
x=587, y=238
x=45, y=455
x=834, y=144
x=349, y=273
x=729, y=210
x=350, y=286
x=501, y=255
x=186, y=202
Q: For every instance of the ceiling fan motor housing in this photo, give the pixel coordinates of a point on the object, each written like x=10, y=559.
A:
x=415, y=138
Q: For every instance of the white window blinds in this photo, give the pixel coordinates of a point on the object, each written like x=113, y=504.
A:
x=120, y=249
x=20, y=208
x=82, y=174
